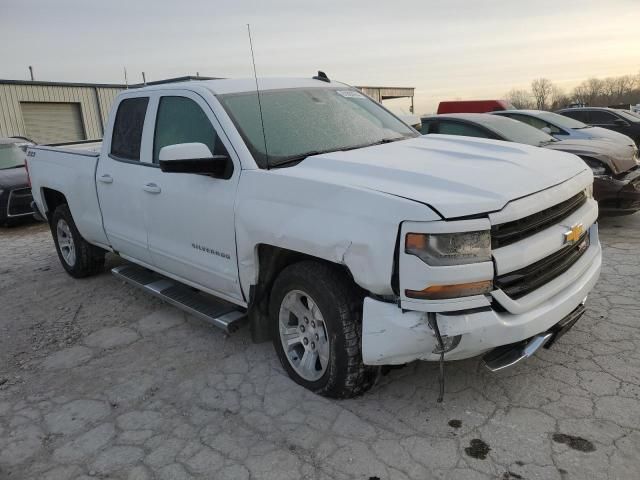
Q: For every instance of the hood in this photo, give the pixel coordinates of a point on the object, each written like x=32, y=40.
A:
x=606, y=134
x=13, y=177
x=456, y=176
x=617, y=156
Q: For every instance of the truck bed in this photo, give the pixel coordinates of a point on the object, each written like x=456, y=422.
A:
x=69, y=169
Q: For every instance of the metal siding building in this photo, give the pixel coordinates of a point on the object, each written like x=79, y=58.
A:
x=387, y=93
x=56, y=112
x=53, y=112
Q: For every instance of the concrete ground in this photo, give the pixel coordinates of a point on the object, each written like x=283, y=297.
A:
x=98, y=380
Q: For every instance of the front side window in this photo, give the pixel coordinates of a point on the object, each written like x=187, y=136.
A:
x=561, y=121
x=600, y=117
x=299, y=122
x=459, y=128
x=181, y=120
x=127, y=129
x=514, y=131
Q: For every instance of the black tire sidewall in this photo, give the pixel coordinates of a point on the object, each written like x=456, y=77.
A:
x=63, y=213
x=293, y=278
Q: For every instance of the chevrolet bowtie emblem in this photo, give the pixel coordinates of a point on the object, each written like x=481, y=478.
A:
x=574, y=234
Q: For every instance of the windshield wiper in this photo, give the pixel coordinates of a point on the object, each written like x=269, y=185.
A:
x=302, y=156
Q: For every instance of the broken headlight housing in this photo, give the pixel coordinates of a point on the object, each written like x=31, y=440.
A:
x=445, y=249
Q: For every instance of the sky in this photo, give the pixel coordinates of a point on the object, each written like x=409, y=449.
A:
x=454, y=49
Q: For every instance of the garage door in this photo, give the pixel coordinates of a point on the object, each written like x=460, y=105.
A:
x=53, y=122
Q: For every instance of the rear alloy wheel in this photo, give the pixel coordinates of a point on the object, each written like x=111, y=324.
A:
x=78, y=257
x=65, y=242
x=316, y=319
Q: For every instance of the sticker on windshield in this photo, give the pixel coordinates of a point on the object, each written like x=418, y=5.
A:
x=350, y=94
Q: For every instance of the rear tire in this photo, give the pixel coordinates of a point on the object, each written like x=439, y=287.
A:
x=78, y=257
x=315, y=313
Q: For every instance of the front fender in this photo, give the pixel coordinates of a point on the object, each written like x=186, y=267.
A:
x=352, y=226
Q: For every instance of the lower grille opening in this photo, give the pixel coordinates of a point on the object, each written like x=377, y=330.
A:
x=19, y=202
x=521, y=282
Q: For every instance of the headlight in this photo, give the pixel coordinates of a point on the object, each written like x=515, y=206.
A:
x=443, y=249
x=598, y=171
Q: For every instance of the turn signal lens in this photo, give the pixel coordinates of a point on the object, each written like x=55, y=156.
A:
x=440, y=292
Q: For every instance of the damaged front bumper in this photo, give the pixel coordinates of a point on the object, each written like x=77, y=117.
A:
x=391, y=335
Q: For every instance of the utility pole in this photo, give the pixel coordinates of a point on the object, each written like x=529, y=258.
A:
x=126, y=82
x=144, y=80
x=31, y=72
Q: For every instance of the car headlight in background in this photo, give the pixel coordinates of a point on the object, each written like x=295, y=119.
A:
x=444, y=249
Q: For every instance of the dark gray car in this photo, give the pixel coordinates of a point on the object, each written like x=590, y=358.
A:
x=15, y=193
x=616, y=167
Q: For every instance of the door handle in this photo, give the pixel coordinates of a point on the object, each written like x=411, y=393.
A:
x=106, y=178
x=151, y=188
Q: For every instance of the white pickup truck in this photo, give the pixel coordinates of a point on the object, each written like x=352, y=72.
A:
x=339, y=232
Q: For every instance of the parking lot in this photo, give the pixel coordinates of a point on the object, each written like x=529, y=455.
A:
x=98, y=380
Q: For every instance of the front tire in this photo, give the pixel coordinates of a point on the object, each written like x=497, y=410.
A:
x=315, y=313
x=78, y=257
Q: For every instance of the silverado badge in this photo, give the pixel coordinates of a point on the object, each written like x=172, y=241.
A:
x=573, y=235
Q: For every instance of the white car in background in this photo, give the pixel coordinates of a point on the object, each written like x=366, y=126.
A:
x=564, y=128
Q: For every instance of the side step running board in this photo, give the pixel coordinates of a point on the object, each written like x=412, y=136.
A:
x=220, y=313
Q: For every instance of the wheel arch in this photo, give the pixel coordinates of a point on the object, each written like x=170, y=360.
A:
x=271, y=261
x=52, y=199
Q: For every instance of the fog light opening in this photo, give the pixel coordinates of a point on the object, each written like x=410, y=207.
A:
x=448, y=344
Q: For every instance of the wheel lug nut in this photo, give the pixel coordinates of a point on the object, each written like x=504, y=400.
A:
x=302, y=328
x=313, y=324
x=313, y=345
x=306, y=320
x=305, y=340
x=317, y=337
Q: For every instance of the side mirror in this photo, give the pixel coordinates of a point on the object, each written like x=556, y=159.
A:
x=620, y=122
x=546, y=130
x=194, y=158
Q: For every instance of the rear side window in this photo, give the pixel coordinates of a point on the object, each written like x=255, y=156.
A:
x=127, y=129
x=458, y=128
x=600, y=117
x=181, y=120
x=579, y=115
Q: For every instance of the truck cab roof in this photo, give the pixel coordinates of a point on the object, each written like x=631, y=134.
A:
x=239, y=85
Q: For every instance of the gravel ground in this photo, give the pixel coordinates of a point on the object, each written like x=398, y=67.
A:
x=98, y=380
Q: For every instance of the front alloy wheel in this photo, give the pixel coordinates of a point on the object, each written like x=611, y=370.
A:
x=315, y=311
x=303, y=335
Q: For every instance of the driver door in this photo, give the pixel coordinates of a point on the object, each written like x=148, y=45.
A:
x=191, y=231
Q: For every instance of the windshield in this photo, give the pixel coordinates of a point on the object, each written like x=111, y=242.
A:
x=303, y=122
x=629, y=116
x=516, y=131
x=562, y=121
x=11, y=156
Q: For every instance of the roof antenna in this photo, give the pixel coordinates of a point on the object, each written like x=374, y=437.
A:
x=322, y=77
x=255, y=75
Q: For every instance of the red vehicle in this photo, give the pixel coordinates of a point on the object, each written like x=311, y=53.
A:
x=473, y=106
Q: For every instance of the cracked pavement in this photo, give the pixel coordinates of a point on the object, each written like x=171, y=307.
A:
x=102, y=381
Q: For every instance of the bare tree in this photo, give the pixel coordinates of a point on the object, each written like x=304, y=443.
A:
x=558, y=98
x=520, y=99
x=541, y=89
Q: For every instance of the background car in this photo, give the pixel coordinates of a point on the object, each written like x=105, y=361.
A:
x=564, y=128
x=609, y=118
x=616, y=168
x=473, y=106
x=15, y=193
